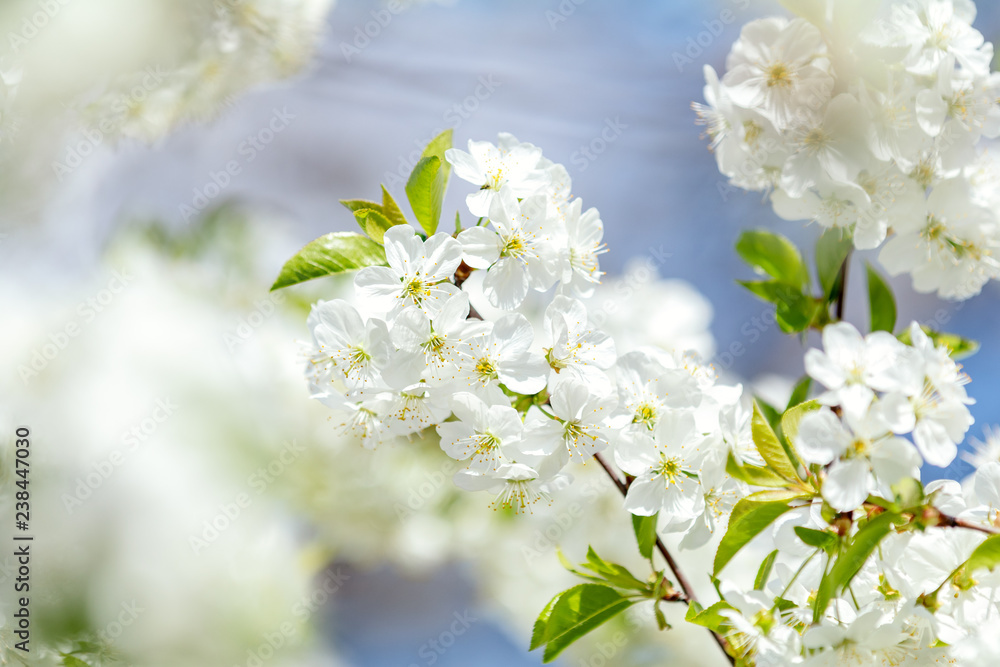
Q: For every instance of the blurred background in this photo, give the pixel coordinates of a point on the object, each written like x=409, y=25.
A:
x=190, y=504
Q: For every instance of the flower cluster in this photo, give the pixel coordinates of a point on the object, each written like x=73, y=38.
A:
x=867, y=117
x=235, y=45
x=865, y=559
x=917, y=593
x=881, y=389
x=517, y=401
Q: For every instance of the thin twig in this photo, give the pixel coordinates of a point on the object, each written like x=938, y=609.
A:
x=965, y=523
x=462, y=274
x=682, y=581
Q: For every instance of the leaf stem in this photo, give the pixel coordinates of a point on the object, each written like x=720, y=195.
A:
x=682, y=581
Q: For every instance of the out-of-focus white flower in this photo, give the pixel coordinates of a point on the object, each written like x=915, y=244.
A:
x=869, y=120
x=946, y=242
x=779, y=68
x=986, y=450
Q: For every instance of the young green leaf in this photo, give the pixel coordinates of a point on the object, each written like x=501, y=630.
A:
x=754, y=475
x=661, y=618
x=645, y=533
x=613, y=573
x=333, y=253
x=541, y=624
x=795, y=311
x=391, y=210
x=986, y=556
x=750, y=516
x=832, y=250
x=800, y=394
x=358, y=204
x=437, y=147
x=374, y=223
x=774, y=255
x=819, y=539
x=770, y=448
x=881, y=302
x=791, y=419
x=852, y=559
x=708, y=618
x=764, y=571
x=578, y=611
x=425, y=190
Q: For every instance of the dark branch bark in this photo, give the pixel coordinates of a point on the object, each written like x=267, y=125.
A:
x=688, y=591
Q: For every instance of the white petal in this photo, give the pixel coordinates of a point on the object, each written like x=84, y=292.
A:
x=481, y=246
x=846, y=485
x=645, y=496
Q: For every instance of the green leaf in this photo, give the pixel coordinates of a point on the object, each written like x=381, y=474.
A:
x=437, y=147
x=333, y=253
x=661, y=618
x=578, y=611
x=425, y=190
x=770, y=448
x=819, y=539
x=764, y=571
x=708, y=618
x=795, y=311
x=645, y=533
x=792, y=418
x=374, y=223
x=428, y=181
x=358, y=204
x=391, y=210
x=800, y=394
x=986, y=555
x=754, y=475
x=957, y=347
x=851, y=560
x=541, y=624
x=881, y=302
x=613, y=573
x=750, y=516
x=772, y=414
x=72, y=661
x=765, y=496
x=458, y=223
x=832, y=250
x=784, y=605
x=775, y=255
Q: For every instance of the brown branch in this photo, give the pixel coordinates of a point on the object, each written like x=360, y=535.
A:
x=462, y=274
x=841, y=299
x=682, y=581
x=964, y=523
